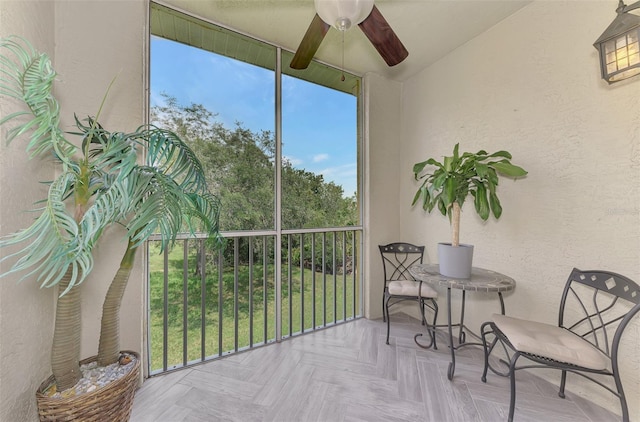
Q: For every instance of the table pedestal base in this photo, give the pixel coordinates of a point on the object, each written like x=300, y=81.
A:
x=462, y=332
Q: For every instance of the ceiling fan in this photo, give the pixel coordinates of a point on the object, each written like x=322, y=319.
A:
x=342, y=14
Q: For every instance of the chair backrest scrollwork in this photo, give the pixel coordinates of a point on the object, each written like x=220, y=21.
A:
x=397, y=258
x=598, y=305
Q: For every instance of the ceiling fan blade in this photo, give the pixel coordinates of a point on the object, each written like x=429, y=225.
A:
x=310, y=43
x=377, y=29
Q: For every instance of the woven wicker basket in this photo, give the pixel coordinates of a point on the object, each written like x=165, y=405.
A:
x=112, y=403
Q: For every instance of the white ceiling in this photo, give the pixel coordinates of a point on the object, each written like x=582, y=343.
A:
x=429, y=29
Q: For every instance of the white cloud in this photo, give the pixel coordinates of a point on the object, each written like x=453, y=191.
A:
x=320, y=157
x=345, y=175
x=295, y=162
x=338, y=172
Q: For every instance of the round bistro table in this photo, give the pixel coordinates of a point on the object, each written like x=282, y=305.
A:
x=481, y=280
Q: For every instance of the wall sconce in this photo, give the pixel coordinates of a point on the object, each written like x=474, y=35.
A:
x=618, y=45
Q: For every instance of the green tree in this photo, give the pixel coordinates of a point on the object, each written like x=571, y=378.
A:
x=239, y=164
x=240, y=169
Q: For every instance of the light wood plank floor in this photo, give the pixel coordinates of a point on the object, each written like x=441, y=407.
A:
x=348, y=373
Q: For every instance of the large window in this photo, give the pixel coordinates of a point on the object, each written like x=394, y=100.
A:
x=280, y=150
x=216, y=88
x=319, y=140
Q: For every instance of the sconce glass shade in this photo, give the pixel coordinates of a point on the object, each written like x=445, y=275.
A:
x=342, y=14
x=619, y=48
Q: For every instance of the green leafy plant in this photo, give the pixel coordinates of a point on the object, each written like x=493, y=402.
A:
x=147, y=181
x=449, y=183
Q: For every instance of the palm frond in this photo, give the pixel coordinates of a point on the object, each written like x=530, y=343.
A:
x=112, y=204
x=117, y=155
x=163, y=206
x=108, y=184
x=204, y=213
x=167, y=152
x=55, y=241
x=92, y=133
x=109, y=152
x=160, y=210
x=30, y=80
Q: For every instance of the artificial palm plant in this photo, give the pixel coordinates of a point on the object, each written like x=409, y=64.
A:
x=148, y=181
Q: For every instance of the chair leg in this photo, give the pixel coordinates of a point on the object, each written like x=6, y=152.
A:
x=435, y=319
x=563, y=381
x=430, y=327
x=623, y=399
x=384, y=294
x=484, y=333
x=512, y=378
x=386, y=310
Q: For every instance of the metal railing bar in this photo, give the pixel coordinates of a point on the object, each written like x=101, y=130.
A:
x=220, y=299
x=335, y=281
x=344, y=274
x=203, y=300
x=324, y=279
x=289, y=283
x=165, y=309
x=313, y=280
x=321, y=230
x=324, y=290
x=264, y=288
x=277, y=289
x=337, y=255
x=185, y=297
x=257, y=233
x=302, y=282
x=236, y=275
x=251, y=291
x=355, y=264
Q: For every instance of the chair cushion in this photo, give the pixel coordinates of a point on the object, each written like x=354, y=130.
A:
x=410, y=288
x=550, y=341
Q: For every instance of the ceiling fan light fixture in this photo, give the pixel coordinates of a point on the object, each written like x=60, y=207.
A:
x=343, y=14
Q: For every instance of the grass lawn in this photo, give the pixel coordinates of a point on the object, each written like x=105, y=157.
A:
x=196, y=320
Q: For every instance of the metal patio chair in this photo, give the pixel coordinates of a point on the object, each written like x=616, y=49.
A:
x=400, y=286
x=595, y=308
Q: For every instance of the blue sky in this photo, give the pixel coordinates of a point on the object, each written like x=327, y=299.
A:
x=319, y=124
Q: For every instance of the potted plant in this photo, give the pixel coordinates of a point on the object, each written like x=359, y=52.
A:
x=147, y=181
x=447, y=185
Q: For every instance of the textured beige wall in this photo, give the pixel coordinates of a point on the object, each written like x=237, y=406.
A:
x=89, y=42
x=95, y=42
x=26, y=311
x=381, y=180
x=531, y=85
